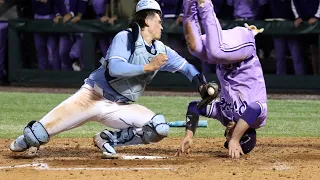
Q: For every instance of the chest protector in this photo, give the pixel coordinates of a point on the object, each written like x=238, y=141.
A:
x=133, y=87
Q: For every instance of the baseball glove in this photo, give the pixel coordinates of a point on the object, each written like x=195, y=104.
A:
x=206, y=96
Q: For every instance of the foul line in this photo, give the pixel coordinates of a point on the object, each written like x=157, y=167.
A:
x=44, y=166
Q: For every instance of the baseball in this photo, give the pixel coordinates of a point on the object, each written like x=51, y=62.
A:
x=210, y=91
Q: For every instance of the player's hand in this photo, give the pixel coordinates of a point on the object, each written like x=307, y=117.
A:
x=66, y=17
x=75, y=19
x=185, y=146
x=112, y=20
x=312, y=21
x=57, y=19
x=156, y=63
x=235, y=149
x=104, y=19
x=179, y=20
x=297, y=22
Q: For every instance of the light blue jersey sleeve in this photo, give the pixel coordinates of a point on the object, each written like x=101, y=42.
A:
x=118, y=55
x=176, y=63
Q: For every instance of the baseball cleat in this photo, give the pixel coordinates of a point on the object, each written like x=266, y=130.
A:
x=104, y=146
x=18, y=145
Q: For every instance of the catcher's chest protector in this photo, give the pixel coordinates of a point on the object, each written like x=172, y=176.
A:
x=133, y=87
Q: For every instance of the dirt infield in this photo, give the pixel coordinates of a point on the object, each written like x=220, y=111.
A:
x=273, y=158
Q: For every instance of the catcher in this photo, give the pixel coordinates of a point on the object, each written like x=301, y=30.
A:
x=242, y=107
x=133, y=59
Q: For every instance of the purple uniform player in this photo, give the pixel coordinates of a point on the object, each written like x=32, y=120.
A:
x=246, y=9
x=308, y=10
x=99, y=7
x=4, y=39
x=46, y=45
x=282, y=9
x=70, y=46
x=243, y=102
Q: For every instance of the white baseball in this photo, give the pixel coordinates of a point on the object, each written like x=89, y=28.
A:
x=211, y=91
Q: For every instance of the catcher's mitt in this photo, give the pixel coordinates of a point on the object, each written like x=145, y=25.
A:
x=209, y=92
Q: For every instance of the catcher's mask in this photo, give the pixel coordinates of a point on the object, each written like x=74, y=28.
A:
x=247, y=141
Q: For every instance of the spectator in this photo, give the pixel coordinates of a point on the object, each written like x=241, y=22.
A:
x=172, y=10
x=46, y=44
x=102, y=11
x=308, y=10
x=123, y=9
x=6, y=13
x=70, y=45
x=282, y=9
x=246, y=9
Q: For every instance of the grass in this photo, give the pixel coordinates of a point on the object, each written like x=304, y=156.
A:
x=286, y=118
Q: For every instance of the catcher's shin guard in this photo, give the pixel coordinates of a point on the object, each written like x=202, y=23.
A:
x=35, y=134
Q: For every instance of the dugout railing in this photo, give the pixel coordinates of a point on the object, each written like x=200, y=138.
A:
x=18, y=74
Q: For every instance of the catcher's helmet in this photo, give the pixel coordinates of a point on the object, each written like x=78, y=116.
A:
x=148, y=4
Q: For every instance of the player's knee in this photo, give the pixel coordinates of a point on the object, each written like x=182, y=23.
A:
x=156, y=130
x=251, y=114
x=35, y=134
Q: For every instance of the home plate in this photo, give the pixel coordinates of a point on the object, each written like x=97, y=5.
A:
x=128, y=157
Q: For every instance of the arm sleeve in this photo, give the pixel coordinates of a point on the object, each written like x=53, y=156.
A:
x=295, y=9
x=317, y=15
x=59, y=7
x=117, y=56
x=82, y=6
x=120, y=68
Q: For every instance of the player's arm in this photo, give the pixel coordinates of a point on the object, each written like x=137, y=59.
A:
x=248, y=119
x=119, y=54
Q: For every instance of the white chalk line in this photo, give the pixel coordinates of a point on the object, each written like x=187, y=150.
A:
x=45, y=166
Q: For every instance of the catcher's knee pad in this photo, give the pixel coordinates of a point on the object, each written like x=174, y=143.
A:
x=35, y=134
x=155, y=130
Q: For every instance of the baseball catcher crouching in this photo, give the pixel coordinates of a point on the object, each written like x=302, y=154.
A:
x=109, y=94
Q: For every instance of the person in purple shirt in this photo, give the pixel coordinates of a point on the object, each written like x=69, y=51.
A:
x=172, y=9
x=3, y=40
x=70, y=45
x=243, y=101
x=282, y=9
x=246, y=9
x=46, y=45
x=308, y=10
x=102, y=11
